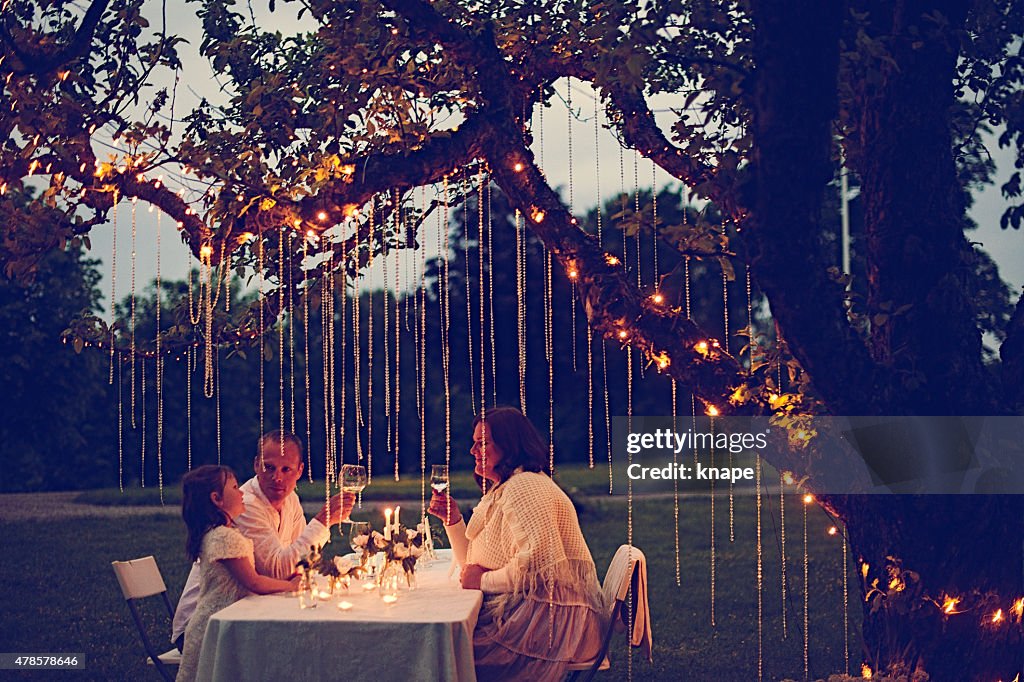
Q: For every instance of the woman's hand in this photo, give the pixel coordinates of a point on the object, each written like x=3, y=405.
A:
x=471, y=574
x=443, y=506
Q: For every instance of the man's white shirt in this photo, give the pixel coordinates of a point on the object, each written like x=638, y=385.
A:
x=279, y=540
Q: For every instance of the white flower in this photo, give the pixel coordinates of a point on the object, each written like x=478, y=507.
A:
x=361, y=540
x=343, y=564
x=401, y=550
x=410, y=533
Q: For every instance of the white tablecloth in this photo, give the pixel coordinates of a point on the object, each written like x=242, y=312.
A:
x=426, y=635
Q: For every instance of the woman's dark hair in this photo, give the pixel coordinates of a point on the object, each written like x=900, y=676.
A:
x=197, y=509
x=517, y=439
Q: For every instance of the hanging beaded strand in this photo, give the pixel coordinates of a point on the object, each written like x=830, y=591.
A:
x=305, y=358
x=280, y=333
x=188, y=404
x=113, y=290
x=521, y=310
x=654, y=223
x=675, y=488
x=590, y=330
x=120, y=424
x=760, y=571
x=807, y=593
x=782, y=542
x=142, y=378
x=132, y=323
x=260, y=306
x=490, y=292
x=572, y=282
x=291, y=341
x=550, y=355
x=369, y=350
x=397, y=403
x=469, y=305
x=446, y=317
x=159, y=367
x=480, y=284
x=387, y=318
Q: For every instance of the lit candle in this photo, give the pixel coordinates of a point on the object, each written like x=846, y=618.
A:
x=390, y=598
x=429, y=541
x=344, y=605
x=387, y=524
x=397, y=509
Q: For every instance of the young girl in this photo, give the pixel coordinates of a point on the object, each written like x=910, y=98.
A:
x=211, y=501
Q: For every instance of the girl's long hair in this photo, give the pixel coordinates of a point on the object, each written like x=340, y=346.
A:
x=518, y=441
x=197, y=509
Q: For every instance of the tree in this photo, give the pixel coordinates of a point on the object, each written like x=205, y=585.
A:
x=319, y=124
x=50, y=430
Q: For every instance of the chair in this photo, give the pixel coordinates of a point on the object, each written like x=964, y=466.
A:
x=627, y=575
x=140, y=578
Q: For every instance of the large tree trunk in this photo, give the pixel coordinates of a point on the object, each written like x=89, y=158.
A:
x=921, y=549
x=920, y=265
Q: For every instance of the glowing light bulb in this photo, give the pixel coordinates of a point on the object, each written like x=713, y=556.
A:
x=518, y=167
x=321, y=216
x=658, y=298
x=573, y=274
x=610, y=259
x=206, y=251
x=538, y=216
x=808, y=498
x=833, y=530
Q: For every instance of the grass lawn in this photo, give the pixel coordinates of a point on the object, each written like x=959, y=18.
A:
x=578, y=479
x=58, y=592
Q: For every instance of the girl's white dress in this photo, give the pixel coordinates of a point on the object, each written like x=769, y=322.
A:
x=217, y=589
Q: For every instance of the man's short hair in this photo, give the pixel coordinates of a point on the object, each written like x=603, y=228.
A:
x=279, y=436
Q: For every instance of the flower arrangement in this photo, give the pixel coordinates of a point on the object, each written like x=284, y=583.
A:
x=337, y=569
x=398, y=545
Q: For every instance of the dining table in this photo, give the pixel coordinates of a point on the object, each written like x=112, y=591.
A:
x=426, y=633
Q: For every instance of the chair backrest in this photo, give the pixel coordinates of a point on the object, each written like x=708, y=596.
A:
x=624, y=568
x=625, y=573
x=139, y=577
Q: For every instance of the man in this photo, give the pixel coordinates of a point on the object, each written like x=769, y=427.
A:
x=273, y=519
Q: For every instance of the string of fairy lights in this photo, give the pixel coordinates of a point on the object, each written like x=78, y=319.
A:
x=334, y=290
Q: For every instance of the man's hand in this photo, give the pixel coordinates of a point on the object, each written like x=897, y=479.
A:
x=339, y=508
x=443, y=506
x=471, y=574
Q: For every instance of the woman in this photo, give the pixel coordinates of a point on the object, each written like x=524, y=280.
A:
x=524, y=549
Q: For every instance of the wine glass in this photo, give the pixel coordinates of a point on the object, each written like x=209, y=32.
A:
x=439, y=478
x=353, y=478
